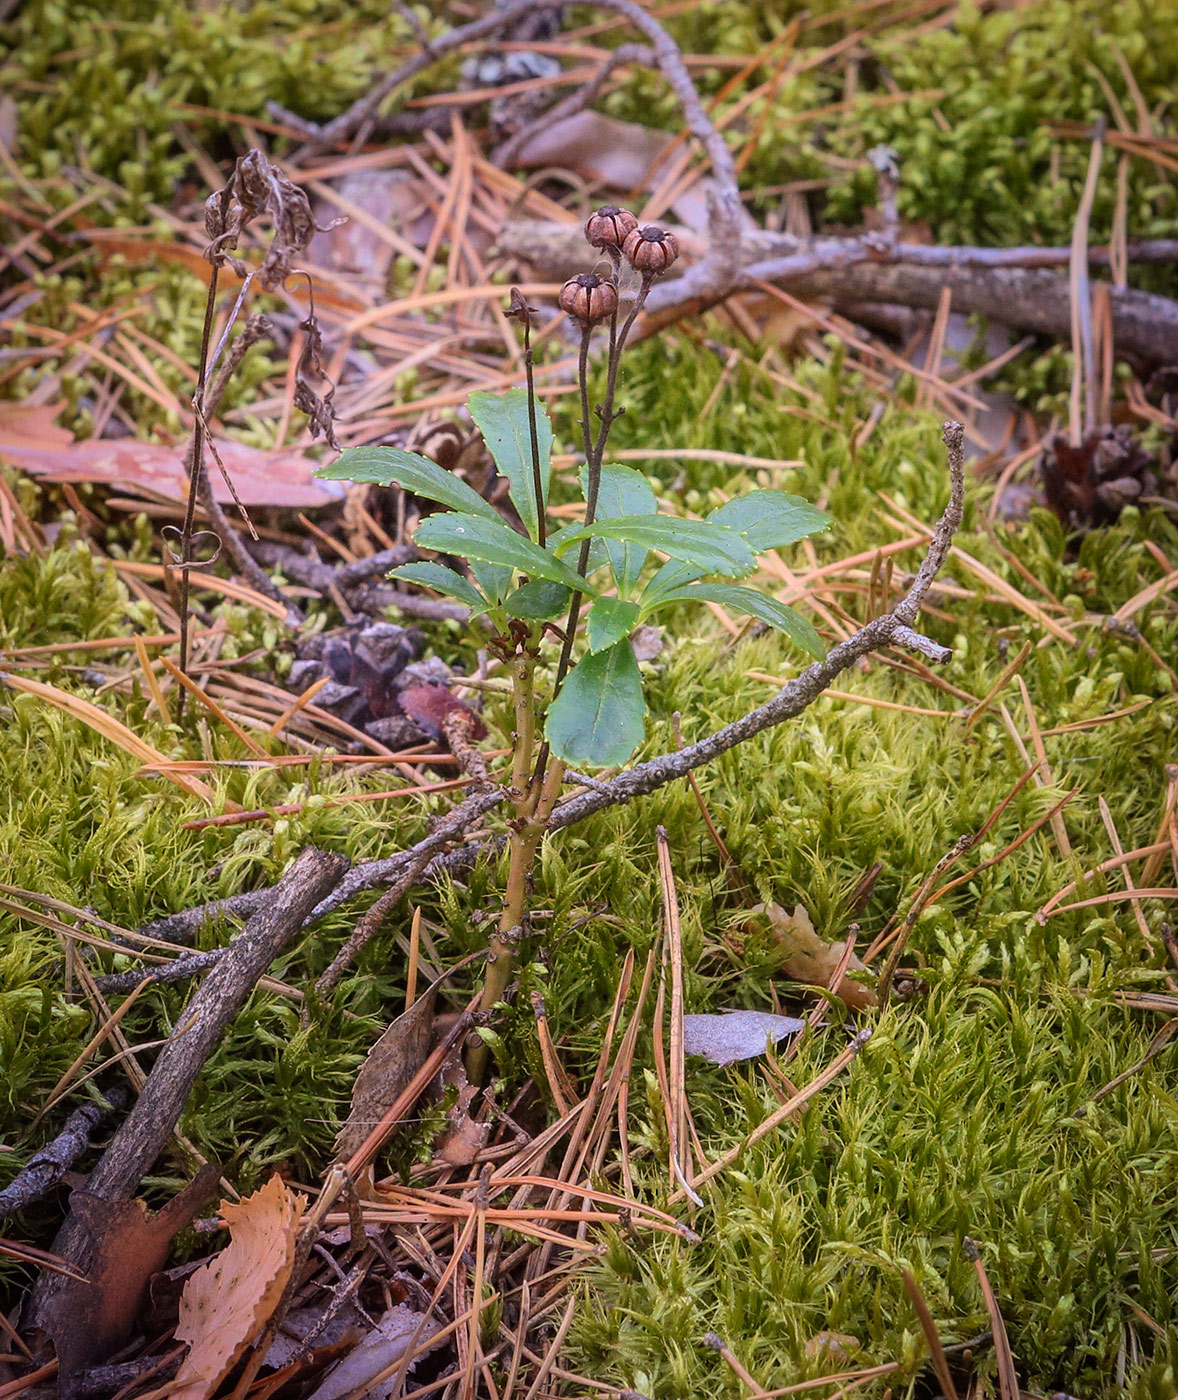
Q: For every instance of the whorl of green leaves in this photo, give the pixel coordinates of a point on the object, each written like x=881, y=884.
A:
x=598, y=718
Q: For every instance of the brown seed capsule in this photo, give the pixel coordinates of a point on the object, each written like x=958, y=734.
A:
x=588, y=298
x=650, y=249
x=608, y=227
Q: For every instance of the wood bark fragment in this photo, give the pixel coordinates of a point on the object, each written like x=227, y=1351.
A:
x=147, y=1129
x=1015, y=286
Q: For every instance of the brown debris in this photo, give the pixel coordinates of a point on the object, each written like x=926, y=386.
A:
x=124, y=1246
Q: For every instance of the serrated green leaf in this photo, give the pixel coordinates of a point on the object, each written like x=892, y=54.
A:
x=493, y=579
x=472, y=537
x=668, y=579
x=442, y=580
x=503, y=421
x=609, y=620
x=712, y=548
x=537, y=601
x=598, y=553
x=598, y=719
x=765, y=520
x=391, y=466
x=622, y=492
x=770, y=519
x=758, y=605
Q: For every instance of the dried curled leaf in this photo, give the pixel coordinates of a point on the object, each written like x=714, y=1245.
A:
x=319, y=409
x=807, y=958
x=258, y=187
x=227, y=1302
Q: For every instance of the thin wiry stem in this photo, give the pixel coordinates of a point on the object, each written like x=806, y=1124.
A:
x=194, y=477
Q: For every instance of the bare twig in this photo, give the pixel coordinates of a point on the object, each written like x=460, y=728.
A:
x=255, y=329
x=726, y=217
x=46, y=1168
x=450, y=829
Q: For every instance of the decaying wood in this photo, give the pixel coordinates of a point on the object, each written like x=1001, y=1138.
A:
x=146, y=1130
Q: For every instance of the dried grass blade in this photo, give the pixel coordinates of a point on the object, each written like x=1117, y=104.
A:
x=931, y=1335
x=106, y=725
x=1007, y=1376
x=157, y=695
x=676, y=1070
x=213, y=708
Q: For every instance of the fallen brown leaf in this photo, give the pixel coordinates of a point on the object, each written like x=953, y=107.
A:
x=124, y=1246
x=228, y=1301
x=30, y=439
x=807, y=958
x=391, y=1064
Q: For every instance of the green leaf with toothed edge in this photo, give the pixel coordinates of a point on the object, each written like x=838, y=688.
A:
x=622, y=492
x=599, y=717
x=609, y=620
x=770, y=519
x=538, y=601
x=472, y=537
x=391, y=466
x=441, y=580
x=764, y=519
x=748, y=600
x=712, y=548
x=504, y=423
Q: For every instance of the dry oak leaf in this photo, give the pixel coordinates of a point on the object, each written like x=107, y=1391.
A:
x=806, y=957
x=226, y=1303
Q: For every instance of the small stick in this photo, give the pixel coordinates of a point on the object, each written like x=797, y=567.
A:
x=717, y=1343
x=46, y=1168
x=931, y=1335
x=1007, y=1376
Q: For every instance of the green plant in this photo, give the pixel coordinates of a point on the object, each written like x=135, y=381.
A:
x=592, y=712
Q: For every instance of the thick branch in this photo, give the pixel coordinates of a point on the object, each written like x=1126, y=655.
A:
x=1013, y=286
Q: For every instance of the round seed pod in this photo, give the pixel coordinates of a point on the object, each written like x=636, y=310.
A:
x=650, y=249
x=608, y=227
x=588, y=298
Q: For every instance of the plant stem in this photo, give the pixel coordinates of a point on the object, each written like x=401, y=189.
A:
x=525, y=841
x=194, y=477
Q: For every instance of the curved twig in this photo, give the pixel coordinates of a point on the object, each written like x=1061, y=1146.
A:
x=726, y=213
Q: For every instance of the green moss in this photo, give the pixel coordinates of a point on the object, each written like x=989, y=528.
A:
x=961, y=1116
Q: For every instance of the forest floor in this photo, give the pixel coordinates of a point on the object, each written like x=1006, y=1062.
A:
x=1019, y=1092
